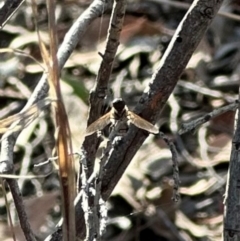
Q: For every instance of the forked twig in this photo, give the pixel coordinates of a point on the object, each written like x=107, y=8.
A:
x=192, y=125
x=176, y=179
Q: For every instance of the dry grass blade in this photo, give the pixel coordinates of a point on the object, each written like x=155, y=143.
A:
x=19, y=121
x=63, y=142
x=43, y=49
x=66, y=165
x=8, y=208
x=22, y=53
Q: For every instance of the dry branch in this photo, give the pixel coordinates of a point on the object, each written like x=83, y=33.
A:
x=187, y=37
x=101, y=88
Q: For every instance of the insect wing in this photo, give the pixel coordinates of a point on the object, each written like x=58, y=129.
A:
x=141, y=123
x=99, y=124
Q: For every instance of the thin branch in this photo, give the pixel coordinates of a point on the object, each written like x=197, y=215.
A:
x=92, y=202
x=232, y=195
x=25, y=225
x=8, y=209
x=100, y=90
x=231, y=229
x=176, y=179
x=87, y=201
x=180, y=5
x=192, y=125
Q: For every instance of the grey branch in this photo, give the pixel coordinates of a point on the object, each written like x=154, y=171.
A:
x=191, y=126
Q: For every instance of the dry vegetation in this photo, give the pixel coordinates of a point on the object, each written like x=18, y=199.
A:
x=141, y=205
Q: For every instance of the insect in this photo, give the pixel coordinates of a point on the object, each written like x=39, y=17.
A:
x=120, y=112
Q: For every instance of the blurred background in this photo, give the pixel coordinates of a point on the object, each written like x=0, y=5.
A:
x=140, y=207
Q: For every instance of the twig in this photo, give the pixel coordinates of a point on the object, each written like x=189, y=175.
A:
x=178, y=4
x=191, y=126
x=8, y=209
x=169, y=224
x=99, y=203
x=92, y=203
x=25, y=225
x=100, y=90
x=176, y=179
x=87, y=201
x=231, y=229
x=232, y=195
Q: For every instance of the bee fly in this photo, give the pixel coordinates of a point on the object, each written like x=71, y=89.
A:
x=120, y=113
